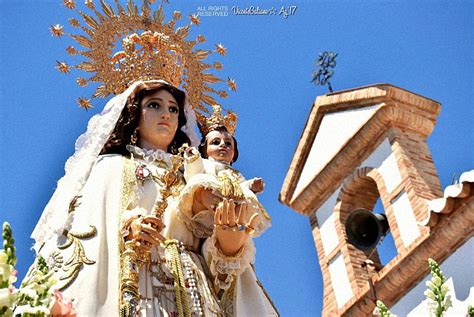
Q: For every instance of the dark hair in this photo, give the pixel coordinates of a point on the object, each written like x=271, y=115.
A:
x=130, y=116
x=203, y=145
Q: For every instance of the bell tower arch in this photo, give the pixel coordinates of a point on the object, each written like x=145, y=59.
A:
x=359, y=146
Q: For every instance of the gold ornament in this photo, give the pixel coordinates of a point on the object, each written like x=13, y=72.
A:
x=194, y=19
x=221, y=49
x=75, y=263
x=232, y=84
x=62, y=67
x=200, y=38
x=57, y=30
x=70, y=4
x=207, y=124
x=81, y=81
x=71, y=50
x=128, y=43
x=84, y=103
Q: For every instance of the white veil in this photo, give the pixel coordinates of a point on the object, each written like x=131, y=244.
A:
x=54, y=219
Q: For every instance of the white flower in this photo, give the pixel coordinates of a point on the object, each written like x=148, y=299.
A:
x=5, y=271
x=448, y=302
x=444, y=288
x=3, y=257
x=6, y=297
x=429, y=294
x=28, y=309
x=437, y=281
x=39, y=288
x=12, y=279
x=31, y=293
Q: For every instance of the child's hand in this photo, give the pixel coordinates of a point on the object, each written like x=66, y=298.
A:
x=257, y=185
x=190, y=151
x=191, y=154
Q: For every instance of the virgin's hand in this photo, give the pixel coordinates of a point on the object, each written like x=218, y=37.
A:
x=233, y=225
x=145, y=231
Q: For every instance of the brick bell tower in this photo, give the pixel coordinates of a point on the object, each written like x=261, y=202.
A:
x=359, y=146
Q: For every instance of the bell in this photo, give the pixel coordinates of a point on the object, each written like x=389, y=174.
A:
x=364, y=229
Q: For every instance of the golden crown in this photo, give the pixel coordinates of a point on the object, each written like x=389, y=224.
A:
x=162, y=51
x=207, y=124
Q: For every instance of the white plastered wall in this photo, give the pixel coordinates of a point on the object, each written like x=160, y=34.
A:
x=327, y=224
x=340, y=280
x=458, y=269
x=335, y=130
x=405, y=218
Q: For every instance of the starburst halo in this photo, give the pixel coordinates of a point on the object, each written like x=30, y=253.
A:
x=118, y=51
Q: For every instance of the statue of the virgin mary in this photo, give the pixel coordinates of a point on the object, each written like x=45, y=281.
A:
x=111, y=231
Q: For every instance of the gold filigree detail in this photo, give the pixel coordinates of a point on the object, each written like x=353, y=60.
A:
x=221, y=49
x=128, y=257
x=57, y=30
x=227, y=299
x=70, y=4
x=232, y=84
x=78, y=258
x=230, y=187
x=150, y=48
x=208, y=124
x=63, y=67
x=130, y=260
x=84, y=103
x=74, y=203
x=194, y=19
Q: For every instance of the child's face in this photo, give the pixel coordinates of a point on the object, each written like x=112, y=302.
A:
x=220, y=146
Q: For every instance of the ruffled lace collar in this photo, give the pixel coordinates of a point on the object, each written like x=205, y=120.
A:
x=219, y=166
x=150, y=156
x=218, y=162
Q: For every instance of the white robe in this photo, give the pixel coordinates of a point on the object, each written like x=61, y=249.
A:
x=91, y=261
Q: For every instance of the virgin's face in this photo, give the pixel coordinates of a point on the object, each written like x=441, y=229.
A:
x=220, y=146
x=158, y=120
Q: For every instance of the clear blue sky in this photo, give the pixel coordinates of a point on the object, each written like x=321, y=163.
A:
x=423, y=46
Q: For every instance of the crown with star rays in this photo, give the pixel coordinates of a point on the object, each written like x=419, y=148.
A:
x=146, y=47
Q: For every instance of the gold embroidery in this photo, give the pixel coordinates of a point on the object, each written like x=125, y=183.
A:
x=78, y=257
x=129, y=183
x=228, y=299
x=74, y=203
x=130, y=260
x=128, y=269
x=230, y=186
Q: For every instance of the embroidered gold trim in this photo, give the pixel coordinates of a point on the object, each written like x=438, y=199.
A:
x=78, y=258
x=129, y=272
x=228, y=299
x=230, y=187
x=74, y=203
